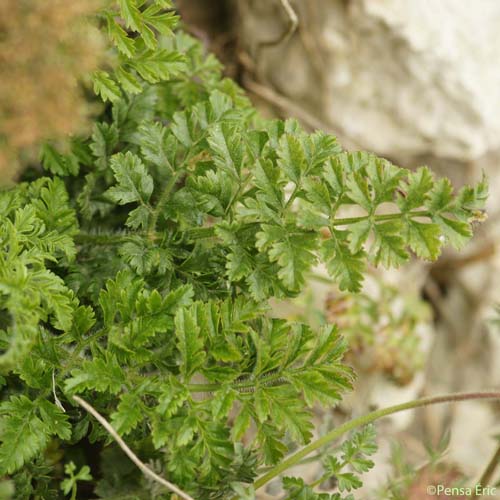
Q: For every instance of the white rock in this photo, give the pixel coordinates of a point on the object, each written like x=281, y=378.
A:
x=402, y=78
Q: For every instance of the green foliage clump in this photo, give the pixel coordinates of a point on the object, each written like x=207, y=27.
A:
x=383, y=329
x=383, y=326
x=138, y=272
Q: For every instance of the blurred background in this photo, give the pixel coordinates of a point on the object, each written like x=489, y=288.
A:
x=47, y=54
x=417, y=82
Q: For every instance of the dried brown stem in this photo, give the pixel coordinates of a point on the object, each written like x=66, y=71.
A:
x=293, y=24
x=142, y=466
x=272, y=97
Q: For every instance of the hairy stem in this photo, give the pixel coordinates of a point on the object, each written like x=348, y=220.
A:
x=244, y=386
x=162, y=200
x=84, y=238
x=209, y=232
x=198, y=233
x=487, y=475
x=364, y=420
x=380, y=217
x=142, y=466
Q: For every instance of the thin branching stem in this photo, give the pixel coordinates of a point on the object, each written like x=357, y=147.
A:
x=163, y=200
x=209, y=231
x=293, y=24
x=379, y=217
x=487, y=475
x=365, y=420
x=141, y=465
x=243, y=386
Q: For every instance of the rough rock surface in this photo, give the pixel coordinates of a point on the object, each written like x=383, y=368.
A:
x=405, y=79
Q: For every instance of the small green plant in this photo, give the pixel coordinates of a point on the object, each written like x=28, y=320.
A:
x=383, y=327
x=137, y=273
x=70, y=485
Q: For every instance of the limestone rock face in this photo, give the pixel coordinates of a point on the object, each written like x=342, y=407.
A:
x=405, y=79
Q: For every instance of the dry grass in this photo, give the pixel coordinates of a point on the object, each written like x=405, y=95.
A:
x=46, y=48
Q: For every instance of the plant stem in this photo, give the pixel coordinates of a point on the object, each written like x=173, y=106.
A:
x=380, y=217
x=101, y=239
x=320, y=278
x=198, y=233
x=293, y=195
x=293, y=23
x=142, y=466
x=364, y=420
x=162, y=200
x=324, y=477
x=240, y=189
x=208, y=232
x=488, y=472
x=239, y=386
